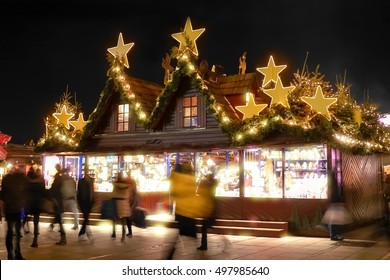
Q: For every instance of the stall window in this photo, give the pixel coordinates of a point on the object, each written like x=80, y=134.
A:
x=149, y=171
x=190, y=111
x=263, y=173
x=105, y=169
x=123, y=117
x=225, y=164
x=294, y=172
x=306, y=172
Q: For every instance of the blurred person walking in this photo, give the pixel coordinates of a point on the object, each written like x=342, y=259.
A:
x=336, y=216
x=133, y=202
x=183, y=192
x=35, y=193
x=85, y=200
x=121, y=195
x=56, y=192
x=13, y=194
x=69, y=194
x=206, y=201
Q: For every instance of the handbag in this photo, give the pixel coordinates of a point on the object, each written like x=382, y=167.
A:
x=139, y=217
x=108, y=210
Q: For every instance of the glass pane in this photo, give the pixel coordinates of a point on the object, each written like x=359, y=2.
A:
x=120, y=109
x=127, y=108
x=120, y=118
x=195, y=121
x=194, y=111
x=187, y=112
x=126, y=117
x=194, y=101
x=186, y=102
x=120, y=126
x=306, y=172
x=263, y=173
x=126, y=127
x=224, y=164
x=187, y=122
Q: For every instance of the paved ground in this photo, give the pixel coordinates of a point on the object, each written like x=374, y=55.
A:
x=154, y=243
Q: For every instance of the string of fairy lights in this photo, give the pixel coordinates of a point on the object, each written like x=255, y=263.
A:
x=308, y=107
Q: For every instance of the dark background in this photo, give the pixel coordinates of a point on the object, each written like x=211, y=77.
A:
x=49, y=46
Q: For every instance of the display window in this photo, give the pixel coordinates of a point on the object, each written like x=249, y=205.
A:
x=263, y=172
x=225, y=165
x=294, y=172
x=306, y=172
x=104, y=168
x=149, y=171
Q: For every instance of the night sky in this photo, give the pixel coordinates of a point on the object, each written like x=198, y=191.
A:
x=50, y=46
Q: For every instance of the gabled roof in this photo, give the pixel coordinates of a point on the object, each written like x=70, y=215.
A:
x=145, y=93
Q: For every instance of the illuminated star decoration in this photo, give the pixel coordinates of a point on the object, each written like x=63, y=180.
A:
x=319, y=103
x=357, y=115
x=189, y=34
x=80, y=123
x=251, y=108
x=121, y=50
x=279, y=93
x=63, y=117
x=271, y=72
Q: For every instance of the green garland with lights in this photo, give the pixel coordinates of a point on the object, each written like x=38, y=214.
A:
x=366, y=138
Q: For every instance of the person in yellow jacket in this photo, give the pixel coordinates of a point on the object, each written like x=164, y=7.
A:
x=183, y=192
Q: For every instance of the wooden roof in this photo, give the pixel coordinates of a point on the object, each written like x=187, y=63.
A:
x=146, y=93
x=230, y=91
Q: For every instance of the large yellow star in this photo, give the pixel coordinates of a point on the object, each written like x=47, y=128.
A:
x=279, y=93
x=121, y=50
x=319, y=103
x=63, y=117
x=190, y=35
x=80, y=123
x=251, y=108
x=271, y=72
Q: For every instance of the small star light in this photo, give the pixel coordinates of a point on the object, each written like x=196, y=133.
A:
x=279, y=93
x=271, y=72
x=251, y=108
x=191, y=34
x=319, y=103
x=121, y=50
x=80, y=123
x=63, y=117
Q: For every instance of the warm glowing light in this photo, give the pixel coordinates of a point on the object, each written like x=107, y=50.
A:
x=320, y=103
x=271, y=71
x=121, y=50
x=279, y=93
x=251, y=108
x=80, y=123
x=63, y=117
x=188, y=37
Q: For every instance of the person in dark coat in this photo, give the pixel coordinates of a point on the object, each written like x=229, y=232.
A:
x=34, y=198
x=14, y=186
x=85, y=200
x=206, y=190
x=56, y=193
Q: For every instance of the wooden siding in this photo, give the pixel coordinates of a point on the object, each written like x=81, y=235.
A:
x=362, y=186
x=191, y=139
